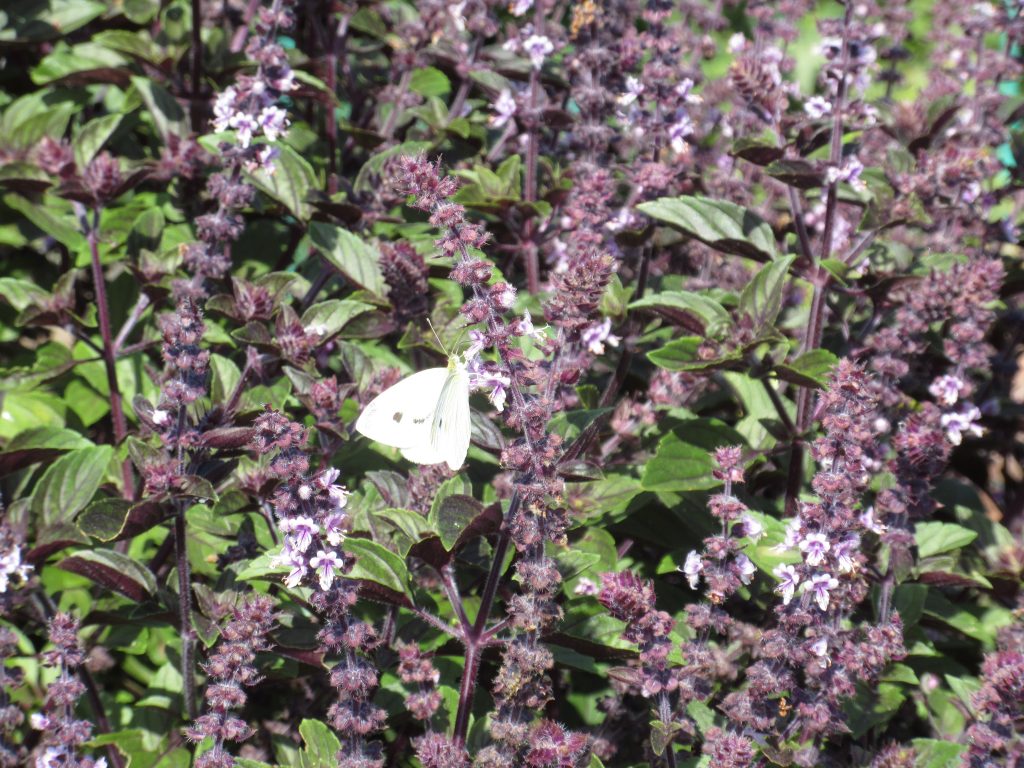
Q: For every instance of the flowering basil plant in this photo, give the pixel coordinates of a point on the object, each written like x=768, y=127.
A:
x=729, y=295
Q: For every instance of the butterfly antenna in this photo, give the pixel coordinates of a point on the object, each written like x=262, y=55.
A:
x=439, y=342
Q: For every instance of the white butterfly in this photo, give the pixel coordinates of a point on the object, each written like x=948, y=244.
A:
x=425, y=415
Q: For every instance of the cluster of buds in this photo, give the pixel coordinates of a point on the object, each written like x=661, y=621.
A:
x=722, y=566
x=309, y=507
x=61, y=734
x=231, y=669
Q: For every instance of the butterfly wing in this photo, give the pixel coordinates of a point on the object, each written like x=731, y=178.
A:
x=451, y=427
x=402, y=415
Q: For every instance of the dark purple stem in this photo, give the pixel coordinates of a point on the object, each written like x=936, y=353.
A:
x=475, y=637
x=109, y=351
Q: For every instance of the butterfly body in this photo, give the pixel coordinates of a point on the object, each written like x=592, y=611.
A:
x=425, y=415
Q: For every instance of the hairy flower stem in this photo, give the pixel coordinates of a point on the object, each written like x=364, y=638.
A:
x=186, y=629
x=109, y=349
x=532, y=261
x=820, y=277
x=185, y=613
x=335, y=50
x=196, y=73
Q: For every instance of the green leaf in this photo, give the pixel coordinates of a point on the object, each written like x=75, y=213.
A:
x=722, y=225
x=70, y=483
x=290, y=183
x=801, y=174
x=112, y=570
x=261, y=567
x=28, y=20
x=958, y=616
x=93, y=136
x=414, y=525
x=378, y=564
x=965, y=688
x=759, y=150
x=811, y=369
x=934, y=753
x=87, y=57
x=224, y=379
x=321, y=745
x=48, y=218
x=761, y=299
x=684, y=355
x=703, y=716
x=20, y=294
x=430, y=81
x=714, y=316
x=873, y=706
x=28, y=410
x=452, y=516
x=168, y=116
x=662, y=735
x=142, y=750
x=350, y=255
x=609, y=497
x=934, y=537
x=115, y=518
x=329, y=317
x=147, y=231
x=683, y=460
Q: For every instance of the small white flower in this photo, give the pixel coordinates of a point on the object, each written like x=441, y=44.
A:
x=747, y=568
x=751, y=528
x=160, y=417
x=520, y=7
x=820, y=649
x=11, y=565
x=504, y=109
x=39, y=721
x=956, y=424
x=849, y=172
x=595, y=337
x=537, y=47
x=677, y=133
x=53, y=757
x=845, y=551
x=325, y=564
x=301, y=530
x=867, y=519
x=338, y=495
x=585, y=587
x=692, y=568
x=224, y=108
x=274, y=122
x=335, y=527
x=737, y=42
x=245, y=126
x=820, y=585
x=316, y=329
x=817, y=107
x=455, y=10
x=792, y=534
x=814, y=546
x=633, y=90
x=789, y=580
x=947, y=389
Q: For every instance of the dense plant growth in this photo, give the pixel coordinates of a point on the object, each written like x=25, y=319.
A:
x=735, y=286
